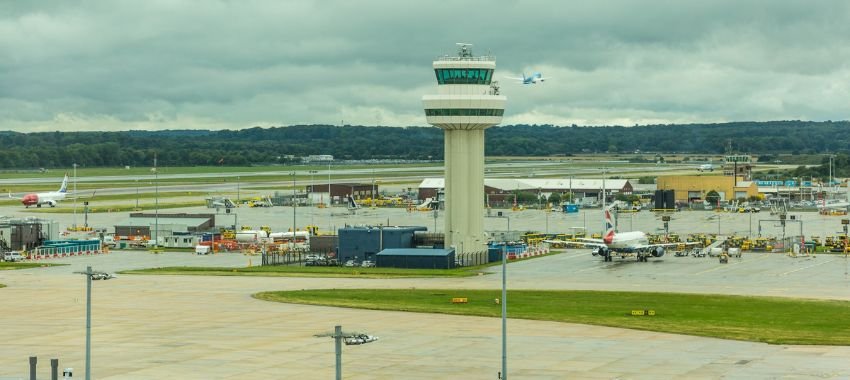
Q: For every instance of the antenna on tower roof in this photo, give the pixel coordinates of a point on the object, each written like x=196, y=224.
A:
x=464, y=49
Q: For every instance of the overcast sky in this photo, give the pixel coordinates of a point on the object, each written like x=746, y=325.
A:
x=121, y=65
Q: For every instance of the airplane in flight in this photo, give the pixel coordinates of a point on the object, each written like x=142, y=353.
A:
x=51, y=198
x=632, y=243
x=533, y=79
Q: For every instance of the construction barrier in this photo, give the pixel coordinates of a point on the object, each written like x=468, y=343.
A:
x=54, y=249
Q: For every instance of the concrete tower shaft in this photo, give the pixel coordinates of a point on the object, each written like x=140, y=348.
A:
x=467, y=102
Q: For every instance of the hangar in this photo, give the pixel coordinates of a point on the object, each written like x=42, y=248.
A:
x=502, y=189
x=695, y=188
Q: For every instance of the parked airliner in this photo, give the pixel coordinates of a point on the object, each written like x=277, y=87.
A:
x=633, y=242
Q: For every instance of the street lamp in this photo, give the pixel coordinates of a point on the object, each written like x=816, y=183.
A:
x=75, y=196
x=312, y=187
x=156, y=201
x=89, y=274
x=330, y=200
x=349, y=339
x=294, y=228
x=504, y=302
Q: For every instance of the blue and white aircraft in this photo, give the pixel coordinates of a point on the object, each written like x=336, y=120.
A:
x=533, y=79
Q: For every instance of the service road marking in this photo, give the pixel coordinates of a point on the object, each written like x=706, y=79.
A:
x=810, y=266
x=732, y=264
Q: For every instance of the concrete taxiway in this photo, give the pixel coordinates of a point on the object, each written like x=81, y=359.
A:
x=153, y=327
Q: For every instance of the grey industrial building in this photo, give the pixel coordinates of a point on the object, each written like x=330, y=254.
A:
x=421, y=258
x=142, y=224
x=26, y=233
x=501, y=190
x=318, y=193
x=364, y=242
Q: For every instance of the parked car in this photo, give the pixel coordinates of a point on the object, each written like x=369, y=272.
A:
x=351, y=263
x=12, y=256
x=368, y=264
x=101, y=276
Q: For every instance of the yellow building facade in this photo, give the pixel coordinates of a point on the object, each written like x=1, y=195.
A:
x=690, y=188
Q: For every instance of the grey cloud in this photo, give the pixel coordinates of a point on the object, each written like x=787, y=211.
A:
x=234, y=64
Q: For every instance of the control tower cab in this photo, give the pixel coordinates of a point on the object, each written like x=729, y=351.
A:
x=466, y=103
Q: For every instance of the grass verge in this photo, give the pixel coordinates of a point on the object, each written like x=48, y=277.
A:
x=296, y=271
x=758, y=319
x=17, y=265
x=118, y=208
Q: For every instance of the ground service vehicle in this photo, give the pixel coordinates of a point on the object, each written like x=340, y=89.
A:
x=12, y=256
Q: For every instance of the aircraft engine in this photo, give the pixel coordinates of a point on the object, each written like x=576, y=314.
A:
x=658, y=251
x=601, y=251
x=51, y=203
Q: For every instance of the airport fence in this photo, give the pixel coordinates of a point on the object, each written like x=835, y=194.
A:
x=288, y=258
x=469, y=259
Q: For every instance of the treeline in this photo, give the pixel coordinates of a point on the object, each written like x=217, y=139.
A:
x=255, y=146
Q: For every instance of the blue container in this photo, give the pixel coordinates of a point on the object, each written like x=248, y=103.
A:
x=570, y=208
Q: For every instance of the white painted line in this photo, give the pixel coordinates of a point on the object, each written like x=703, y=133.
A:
x=764, y=256
x=810, y=266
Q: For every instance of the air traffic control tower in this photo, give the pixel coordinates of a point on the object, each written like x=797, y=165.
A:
x=467, y=102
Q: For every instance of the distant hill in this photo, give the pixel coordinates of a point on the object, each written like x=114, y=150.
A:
x=274, y=145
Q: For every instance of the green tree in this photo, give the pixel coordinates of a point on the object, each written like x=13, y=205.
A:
x=712, y=197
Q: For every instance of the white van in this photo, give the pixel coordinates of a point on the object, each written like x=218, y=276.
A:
x=202, y=249
x=12, y=256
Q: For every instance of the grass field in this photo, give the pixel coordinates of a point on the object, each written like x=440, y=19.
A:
x=16, y=265
x=758, y=319
x=118, y=208
x=299, y=271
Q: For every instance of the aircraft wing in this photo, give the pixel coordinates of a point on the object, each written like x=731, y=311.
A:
x=514, y=78
x=81, y=196
x=646, y=246
x=11, y=197
x=593, y=243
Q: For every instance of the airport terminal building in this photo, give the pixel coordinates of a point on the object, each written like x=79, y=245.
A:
x=502, y=189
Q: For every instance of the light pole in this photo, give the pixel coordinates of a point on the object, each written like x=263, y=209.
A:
x=349, y=338
x=294, y=228
x=89, y=273
x=504, y=311
x=312, y=186
x=372, y=196
x=435, y=220
x=75, y=196
x=330, y=200
x=156, y=201
x=88, y=322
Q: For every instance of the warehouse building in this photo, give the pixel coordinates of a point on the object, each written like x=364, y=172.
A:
x=418, y=258
x=364, y=242
x=26, y=233
x=318, y=193
x=688, y=189
x=143, y=225
x=502, y=190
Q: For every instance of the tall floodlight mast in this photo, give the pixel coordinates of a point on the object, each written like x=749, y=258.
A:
x=467, y=102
